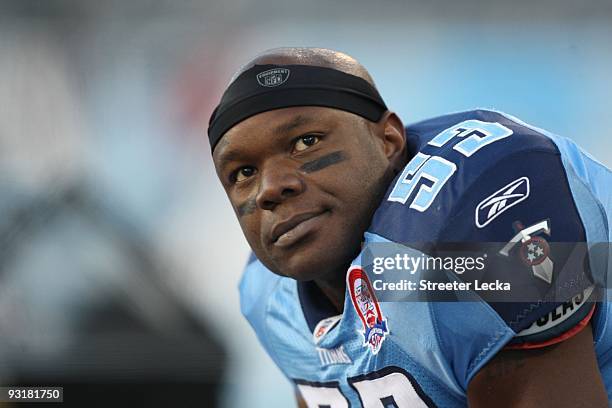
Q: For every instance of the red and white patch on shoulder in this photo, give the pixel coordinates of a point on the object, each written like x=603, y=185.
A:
x=367, y=308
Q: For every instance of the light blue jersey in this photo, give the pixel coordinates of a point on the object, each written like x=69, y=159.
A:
x=473, y=177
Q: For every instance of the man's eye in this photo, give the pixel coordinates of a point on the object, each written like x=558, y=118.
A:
x=244, y=173
x=304, y=142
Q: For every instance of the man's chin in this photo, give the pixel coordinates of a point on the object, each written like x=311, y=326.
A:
x=322, y=255
x=307, y=266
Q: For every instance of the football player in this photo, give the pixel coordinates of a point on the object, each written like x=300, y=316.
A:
x=318, y=170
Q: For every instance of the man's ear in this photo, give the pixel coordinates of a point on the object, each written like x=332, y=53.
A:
x=394, y=139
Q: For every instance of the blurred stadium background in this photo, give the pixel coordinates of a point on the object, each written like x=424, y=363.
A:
x=119, y=253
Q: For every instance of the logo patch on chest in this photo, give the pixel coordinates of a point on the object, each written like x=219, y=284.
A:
x=366, y=305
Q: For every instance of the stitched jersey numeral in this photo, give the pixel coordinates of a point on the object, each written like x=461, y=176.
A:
x=476, y=134
x=391, y=387
x=433, y=168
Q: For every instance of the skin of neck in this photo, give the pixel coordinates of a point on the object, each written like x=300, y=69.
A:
x=334, y=289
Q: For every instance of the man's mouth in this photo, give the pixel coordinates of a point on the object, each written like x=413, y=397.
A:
x=290, y=231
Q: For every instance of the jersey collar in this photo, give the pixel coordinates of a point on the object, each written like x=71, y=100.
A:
x=317, y=308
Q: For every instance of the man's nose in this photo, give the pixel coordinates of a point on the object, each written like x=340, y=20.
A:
x=278, y=183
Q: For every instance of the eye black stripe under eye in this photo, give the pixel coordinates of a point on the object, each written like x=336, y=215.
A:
x=324, y=161
x=246, y=208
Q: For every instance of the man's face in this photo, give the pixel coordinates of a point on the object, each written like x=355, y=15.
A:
x=304, y=183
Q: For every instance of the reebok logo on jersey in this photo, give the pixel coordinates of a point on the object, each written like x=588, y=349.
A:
x=501, y=200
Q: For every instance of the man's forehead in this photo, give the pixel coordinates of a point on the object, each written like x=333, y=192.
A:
x=281, y=119
x=269, y=126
